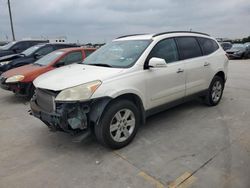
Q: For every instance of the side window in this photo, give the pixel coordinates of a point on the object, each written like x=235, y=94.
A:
x=20, y=46
x=73, y=57
x=208, y=46
x=88, y=52
x=45, y=50
x=188, y=47
x=165, y=49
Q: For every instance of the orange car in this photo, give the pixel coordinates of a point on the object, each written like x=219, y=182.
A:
x=19, y=80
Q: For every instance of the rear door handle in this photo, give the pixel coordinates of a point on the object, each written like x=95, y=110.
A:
x=180, y=70
x=206, y=64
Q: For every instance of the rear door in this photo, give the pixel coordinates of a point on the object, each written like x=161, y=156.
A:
x=211, y=57
x=191, y=54
x=166, y=84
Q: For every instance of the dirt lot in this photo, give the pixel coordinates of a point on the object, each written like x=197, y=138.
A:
x=190, y=145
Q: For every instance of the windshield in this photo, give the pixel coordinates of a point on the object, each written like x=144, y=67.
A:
x=238, y=46
x=120, y=54
x=31, y=50
x=8, y=46
x=48, y=58
x=247, y=44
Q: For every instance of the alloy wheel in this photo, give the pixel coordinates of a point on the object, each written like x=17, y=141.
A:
x=122, y=125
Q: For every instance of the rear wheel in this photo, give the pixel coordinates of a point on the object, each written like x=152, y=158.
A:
x=215, y=91
x=118, y=125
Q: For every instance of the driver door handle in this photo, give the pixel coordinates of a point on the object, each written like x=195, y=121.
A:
x=206, y=64
x=180, y=70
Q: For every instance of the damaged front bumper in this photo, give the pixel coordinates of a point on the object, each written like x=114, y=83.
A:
x=70, y=117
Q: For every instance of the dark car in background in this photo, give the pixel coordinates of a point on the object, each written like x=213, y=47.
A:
x=226, y=45
x=247, y=45
x=18, y=46
x=30, y=55
x=2, y=43
x=238, y=51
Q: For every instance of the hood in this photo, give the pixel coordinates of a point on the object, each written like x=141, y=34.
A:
x=10, y=57
x=235, y=50
x=23, y=70
x=73, y=75
x=22, y=60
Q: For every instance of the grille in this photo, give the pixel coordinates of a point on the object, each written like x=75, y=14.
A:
x=45, y=100
x=230, y=52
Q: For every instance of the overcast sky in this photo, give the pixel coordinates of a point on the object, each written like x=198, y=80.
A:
x=102, y=20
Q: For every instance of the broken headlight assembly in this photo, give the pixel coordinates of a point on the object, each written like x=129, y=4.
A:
x=78, y=93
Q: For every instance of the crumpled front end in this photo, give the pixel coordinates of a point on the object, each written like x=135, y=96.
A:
x=70, y=117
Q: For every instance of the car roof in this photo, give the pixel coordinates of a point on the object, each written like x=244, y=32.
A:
x=58, y=43
x=169, y=34
x=32, y=40
x=75, y=48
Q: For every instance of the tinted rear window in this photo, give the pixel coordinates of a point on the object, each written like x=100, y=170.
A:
x=188, y=47
x=208, y=46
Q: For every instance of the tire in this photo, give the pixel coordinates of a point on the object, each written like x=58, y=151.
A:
x=243, y=56
x=30, y=90
x=247, y=55
x=124, y=118
x=215, y=91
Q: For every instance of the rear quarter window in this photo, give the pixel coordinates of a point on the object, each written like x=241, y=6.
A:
x=208, y=46
x=188, y=47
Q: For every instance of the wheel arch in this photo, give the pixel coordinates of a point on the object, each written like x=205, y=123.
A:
x=100, y=106
x=137, y=101
x=222, y=75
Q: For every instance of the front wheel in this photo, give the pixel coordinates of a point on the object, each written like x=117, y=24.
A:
x=118, y=125
x=30, y=90
x=215, y=91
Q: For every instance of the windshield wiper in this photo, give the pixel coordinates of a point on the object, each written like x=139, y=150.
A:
x=100, y=64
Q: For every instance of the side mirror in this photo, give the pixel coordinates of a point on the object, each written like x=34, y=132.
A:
x=59, y=64
x=37, y=56
x=156, y=62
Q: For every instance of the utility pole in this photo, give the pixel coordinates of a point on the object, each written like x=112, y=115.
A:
x=11, y=23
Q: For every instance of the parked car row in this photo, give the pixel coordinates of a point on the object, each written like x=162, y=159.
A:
x=114, y=89
x=237, y=50
x=20, y=79
x=30, y=55
x=18, y=46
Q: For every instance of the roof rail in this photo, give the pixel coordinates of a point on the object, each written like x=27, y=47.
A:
x=158, y=34
x=130, y=35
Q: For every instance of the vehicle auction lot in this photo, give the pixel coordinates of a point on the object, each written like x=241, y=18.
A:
x=191, y=145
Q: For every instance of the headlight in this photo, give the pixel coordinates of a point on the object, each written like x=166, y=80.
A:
x=13, y=79
x=4, y=63
x=79, y=93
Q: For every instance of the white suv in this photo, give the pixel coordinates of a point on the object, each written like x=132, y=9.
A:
x=113, y=91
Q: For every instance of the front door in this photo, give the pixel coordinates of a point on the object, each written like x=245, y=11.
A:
x=165, y=84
